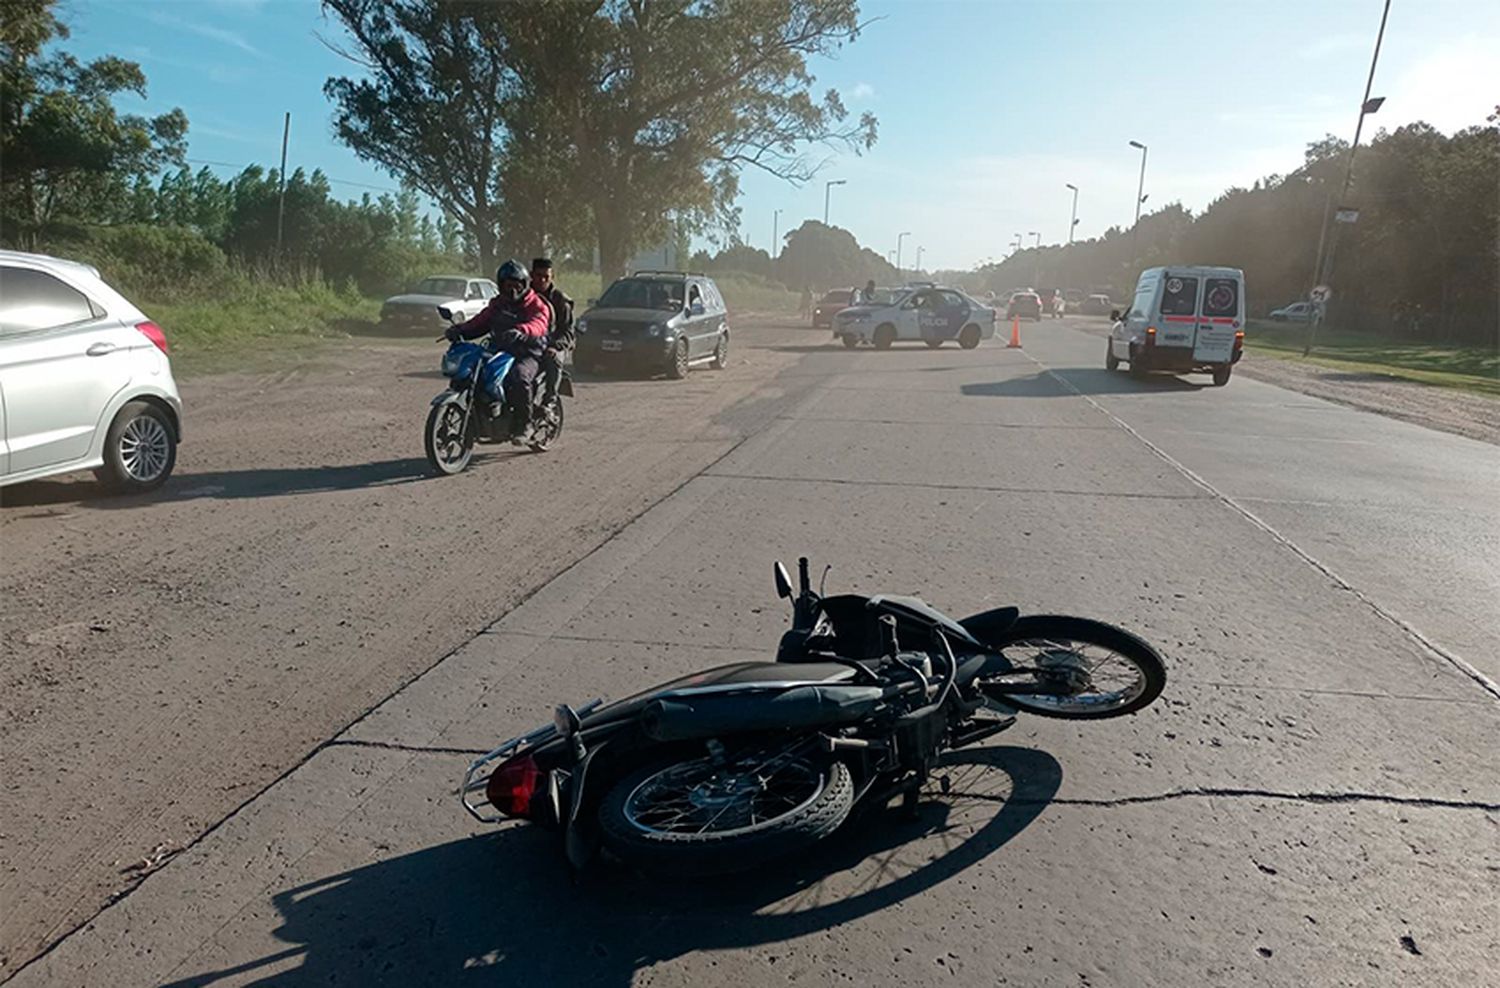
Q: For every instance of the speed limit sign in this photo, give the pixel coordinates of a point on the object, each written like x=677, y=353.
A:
x=1321, y=294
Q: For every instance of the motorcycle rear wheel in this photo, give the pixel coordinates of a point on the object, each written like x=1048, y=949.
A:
x=689, y=816
x=1122, y=672
x=549, y=428
x=447, y=451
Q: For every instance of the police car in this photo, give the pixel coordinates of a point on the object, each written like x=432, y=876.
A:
x=932, y=315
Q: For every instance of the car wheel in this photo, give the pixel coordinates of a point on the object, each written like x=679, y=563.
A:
x=850, y=341
x=884, y=336
x=678, y=368
x=1138, y=365
x=1221, y=375
x=721, y=353
x=1111, y=362
x=968, y=337
x=140, y=449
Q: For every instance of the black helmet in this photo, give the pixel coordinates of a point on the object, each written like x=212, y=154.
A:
x=513, y=270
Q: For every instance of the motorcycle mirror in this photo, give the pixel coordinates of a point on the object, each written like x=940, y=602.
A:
x=783, y=581
x=566, y=720
x=445, y=312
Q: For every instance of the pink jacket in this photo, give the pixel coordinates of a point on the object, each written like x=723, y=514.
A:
x=531, y=315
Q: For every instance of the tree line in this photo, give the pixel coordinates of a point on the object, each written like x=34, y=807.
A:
x=1421, y=260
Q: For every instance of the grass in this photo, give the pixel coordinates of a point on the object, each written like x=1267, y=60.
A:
x=1448, y=365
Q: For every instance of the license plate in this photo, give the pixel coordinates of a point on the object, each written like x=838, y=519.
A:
x=610, y=346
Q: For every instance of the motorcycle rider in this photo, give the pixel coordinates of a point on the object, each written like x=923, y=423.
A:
x=562, y=338
x=518, y=320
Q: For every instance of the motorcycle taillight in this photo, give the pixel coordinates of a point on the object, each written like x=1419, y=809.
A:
x=512, y=785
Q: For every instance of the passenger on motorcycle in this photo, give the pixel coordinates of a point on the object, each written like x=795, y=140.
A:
x=518, y=321
x=562, y=338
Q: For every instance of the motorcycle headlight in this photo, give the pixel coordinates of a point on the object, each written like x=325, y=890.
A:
x=450, y=364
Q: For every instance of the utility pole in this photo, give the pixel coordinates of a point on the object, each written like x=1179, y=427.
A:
x=827, y=189
x=1073, y=219
x=775, y=233
x=1140, y=188
x=920, y=248
x=286, y=131
x=899, y=238
x=1038, y=236
x=1323, y=267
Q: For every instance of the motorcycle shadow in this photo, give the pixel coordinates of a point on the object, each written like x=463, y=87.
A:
x=500, y=909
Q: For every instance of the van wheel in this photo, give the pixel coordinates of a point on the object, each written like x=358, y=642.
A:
x=968, y=337
x=1221, y=375
x=721, y=353
x=1138, y=365
x=885, y=336
x=140, y=449
x=678, y=368
x=1111, y=362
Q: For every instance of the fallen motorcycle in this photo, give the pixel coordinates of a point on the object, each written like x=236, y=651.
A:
x=473, y=410
x=741, y=764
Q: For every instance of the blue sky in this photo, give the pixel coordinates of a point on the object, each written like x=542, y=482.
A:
x=986, y=108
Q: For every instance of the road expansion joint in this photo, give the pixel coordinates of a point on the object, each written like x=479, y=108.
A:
x=1223, y=792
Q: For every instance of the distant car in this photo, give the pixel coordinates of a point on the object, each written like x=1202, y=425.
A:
x=1096, y=305
x=85, y=378
x=417, y=309
x=931, y=315
x=663, y=321
x=1028, y=304
x=830, y=305
x=1296, y=312
x=1074, y=296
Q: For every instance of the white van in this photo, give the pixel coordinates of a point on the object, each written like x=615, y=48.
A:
x=1182, y=319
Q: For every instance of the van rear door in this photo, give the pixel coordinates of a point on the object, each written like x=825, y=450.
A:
x=1179, y=311
x=1219, y=320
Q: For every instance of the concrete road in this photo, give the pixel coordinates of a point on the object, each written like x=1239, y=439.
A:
x=1314, y=800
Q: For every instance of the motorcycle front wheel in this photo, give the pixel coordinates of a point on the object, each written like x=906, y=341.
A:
x=450, y=444
x=711, y=816
x=1110, y=671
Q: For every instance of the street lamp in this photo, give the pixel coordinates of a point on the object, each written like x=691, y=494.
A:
x=775, y=233
x=1072, y=220
x=827, y=190
x=1322, y=267
x=1140, y=188
x=899, y=238
x=920, y=248
x=1038, y=236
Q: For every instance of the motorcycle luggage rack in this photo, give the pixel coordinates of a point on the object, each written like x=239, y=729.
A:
x=509, y=749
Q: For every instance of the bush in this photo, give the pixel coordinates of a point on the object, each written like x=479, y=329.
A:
x=155, y=261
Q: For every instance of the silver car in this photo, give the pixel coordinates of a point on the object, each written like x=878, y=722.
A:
x=85, y=382
x=417, y=309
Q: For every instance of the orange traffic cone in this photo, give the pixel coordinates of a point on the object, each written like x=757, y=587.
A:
x=1015, y=334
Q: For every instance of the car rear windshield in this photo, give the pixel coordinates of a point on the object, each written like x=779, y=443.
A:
x=1221, y=297
x=451, y=287
x=842, y=296
x=643, y=293
x=1180, y=298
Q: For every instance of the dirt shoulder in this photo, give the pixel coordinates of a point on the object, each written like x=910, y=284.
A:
x=165, y=658
x=1446, y=409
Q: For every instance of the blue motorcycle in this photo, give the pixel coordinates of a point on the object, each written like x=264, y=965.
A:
x=473, y=409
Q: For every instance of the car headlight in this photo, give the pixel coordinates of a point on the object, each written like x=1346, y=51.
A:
x=655, y=329
x=582, y=325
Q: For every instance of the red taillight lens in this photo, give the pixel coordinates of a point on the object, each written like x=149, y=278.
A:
x=152, y=332
x=511, y=787
x=1150, y=335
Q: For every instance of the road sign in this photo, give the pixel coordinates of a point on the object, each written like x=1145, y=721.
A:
x=1346, y=216
x=1321, y=294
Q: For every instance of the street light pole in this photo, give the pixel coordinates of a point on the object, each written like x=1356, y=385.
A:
x=775, y=233
x=1322, y=267
x=1038, y=236
x=1072, y=219
x=1140, y=188
x=828, y=190
x=899, y=238
x=920, y=248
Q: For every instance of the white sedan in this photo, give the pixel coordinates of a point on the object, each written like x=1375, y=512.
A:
x=931, y=315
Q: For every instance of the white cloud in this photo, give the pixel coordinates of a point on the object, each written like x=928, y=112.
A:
x=862, y=91
x=1445, y=87
x=222, y=35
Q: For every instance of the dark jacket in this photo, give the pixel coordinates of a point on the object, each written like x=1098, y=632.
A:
x=563, y=336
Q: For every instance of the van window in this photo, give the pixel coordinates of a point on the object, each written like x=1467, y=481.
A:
x=1221, y=297
x=1140, y=306
x=1180, y=297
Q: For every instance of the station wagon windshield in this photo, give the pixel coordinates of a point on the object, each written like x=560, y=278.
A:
x=450, y=287
x=641, y=293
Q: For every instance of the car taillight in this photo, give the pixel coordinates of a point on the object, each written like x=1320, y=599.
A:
x=1239, y=340
x=512, y=785
x=152, y=332
x=1150, y=335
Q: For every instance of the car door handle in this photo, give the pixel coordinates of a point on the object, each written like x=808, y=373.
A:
x=100, y=349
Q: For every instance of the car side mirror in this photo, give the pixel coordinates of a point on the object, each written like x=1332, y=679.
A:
x=1114, y=315
x=783, y=582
